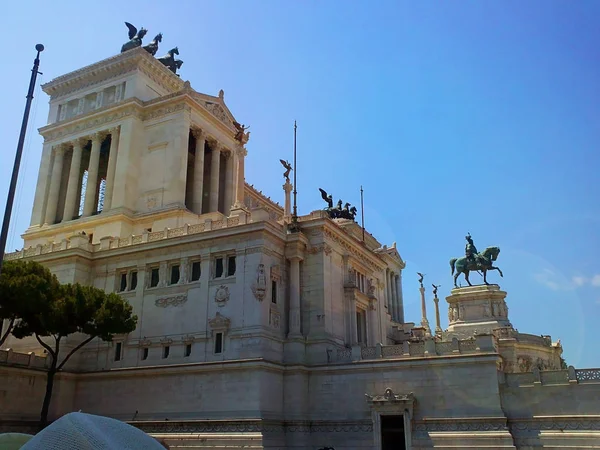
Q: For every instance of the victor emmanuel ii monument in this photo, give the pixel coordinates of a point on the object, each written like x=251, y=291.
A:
x=259, y=327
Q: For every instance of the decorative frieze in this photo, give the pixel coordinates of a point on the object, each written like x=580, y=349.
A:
x=173, y=300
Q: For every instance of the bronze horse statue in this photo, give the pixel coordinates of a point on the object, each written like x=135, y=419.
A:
x=169, y=59
x=483, y=262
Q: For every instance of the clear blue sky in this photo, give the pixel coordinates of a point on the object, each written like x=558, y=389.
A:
x=454, y=116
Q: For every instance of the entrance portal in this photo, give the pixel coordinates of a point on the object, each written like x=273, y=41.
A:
x=392, y=433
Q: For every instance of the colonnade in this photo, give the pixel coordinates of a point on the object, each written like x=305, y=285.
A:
x=225, y=187
x=394, y=295
x=63, y=199
x=97, y=153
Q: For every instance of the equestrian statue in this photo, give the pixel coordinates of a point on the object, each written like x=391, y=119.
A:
x=135, y=37
x=473, y=261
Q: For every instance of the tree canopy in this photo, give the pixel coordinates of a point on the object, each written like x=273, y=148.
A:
x=38, y=305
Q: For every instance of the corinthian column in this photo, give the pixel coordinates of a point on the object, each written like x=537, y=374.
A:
x=92, y=180
x=57, y=168
x=198, y=186
x=72, y=186
x=239, y=190
x=229, y=179
x=112, y=167
x=215, y=166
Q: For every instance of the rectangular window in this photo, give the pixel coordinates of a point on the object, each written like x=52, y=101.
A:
x=166, y=350
x=361, y=326
x=175, y=274
x=133, y=283
x=118, y=349
x=218, y=267
x=219, y=343
x=231, y=266
x=154, y=277
x=196, y=271
x=145, y=353
x=188, y=350
x=273, y=291
x=123, y=284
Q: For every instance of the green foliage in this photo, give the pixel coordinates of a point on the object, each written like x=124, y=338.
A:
x=25, y=289
x=38, y=305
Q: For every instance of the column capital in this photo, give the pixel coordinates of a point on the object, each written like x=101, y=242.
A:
x=198, y=133
x=79, y=142
x=241, y=151
x=114, y=130
x=61, y=148
x=218, y=147
x=98, y=136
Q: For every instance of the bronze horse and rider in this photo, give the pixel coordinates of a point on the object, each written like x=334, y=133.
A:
x=473, y=261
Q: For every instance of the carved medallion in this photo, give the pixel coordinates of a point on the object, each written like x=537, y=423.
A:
x=222, y=295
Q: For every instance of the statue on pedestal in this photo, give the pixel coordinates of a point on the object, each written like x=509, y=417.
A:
x=421, y=276
x=474, y=261
x=288, y=168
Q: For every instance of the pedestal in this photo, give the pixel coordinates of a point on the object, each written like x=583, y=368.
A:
x=287, y=211
x=477, y=308
x=424, y=321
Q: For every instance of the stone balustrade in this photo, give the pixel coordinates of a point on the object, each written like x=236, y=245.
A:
x=414, y=349
x=31, y=360
x=109, y=243
x=552, y=377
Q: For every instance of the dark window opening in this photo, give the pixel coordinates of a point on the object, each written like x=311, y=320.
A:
x=154, y=277
x=118, y=348
x=196, y=271
x=188, y=350
x=123, y=284
x=231, y=266
x=145, y=353
x=174, y=274
x=219, y=268
x=219, y=343
x=133, y=281
x=273, y=291
x=166, y=350
x=392, y=433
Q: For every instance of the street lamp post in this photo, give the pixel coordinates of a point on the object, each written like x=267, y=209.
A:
x=15, y=173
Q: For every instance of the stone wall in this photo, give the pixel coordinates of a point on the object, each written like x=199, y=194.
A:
x=553, y=409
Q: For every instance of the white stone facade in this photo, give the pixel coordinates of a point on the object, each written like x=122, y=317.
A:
x=248, y=334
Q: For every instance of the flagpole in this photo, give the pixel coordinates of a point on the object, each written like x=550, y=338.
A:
x=362, y=213
x=294, y=225
x=15, y=173
x=295, y=213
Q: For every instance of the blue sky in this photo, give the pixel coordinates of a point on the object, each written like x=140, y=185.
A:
x=454, y=116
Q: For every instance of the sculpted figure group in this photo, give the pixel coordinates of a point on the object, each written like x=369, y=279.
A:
x=135, y=40
x=338, y=212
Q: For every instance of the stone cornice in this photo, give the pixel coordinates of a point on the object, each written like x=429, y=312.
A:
x=253, y=192
x=101, y=118
x=137, y=59
x=334, y=233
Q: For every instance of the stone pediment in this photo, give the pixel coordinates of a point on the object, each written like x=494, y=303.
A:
x=393, y=253
x=215, y=106
x=115, y=66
